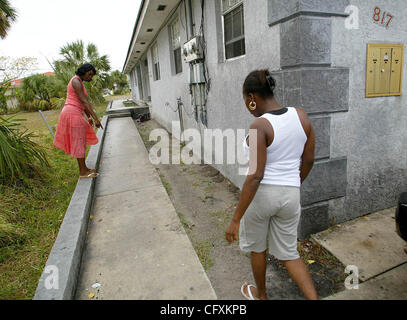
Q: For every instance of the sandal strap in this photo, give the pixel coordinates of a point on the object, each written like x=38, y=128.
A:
x=250, y=291
x=90, y=175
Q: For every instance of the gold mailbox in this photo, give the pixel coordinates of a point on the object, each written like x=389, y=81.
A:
x=384, y=69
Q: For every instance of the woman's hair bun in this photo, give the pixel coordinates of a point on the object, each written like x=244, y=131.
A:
x=260, y=82
x=271, y=81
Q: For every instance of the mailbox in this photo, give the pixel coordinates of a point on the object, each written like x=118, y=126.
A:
x=384, y=69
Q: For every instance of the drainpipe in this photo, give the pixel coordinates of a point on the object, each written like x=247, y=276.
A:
x=202, y=104
x=181, y=119
x=193, y=101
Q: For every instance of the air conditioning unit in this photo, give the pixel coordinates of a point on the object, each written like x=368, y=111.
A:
x=192, y=50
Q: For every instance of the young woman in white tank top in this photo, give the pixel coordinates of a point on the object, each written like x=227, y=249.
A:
x=269, y=206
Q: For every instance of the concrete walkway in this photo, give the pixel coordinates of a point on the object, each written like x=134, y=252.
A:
x=136, y=247
x=371, y=244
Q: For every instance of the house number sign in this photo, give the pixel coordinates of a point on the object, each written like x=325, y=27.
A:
x=382, y=18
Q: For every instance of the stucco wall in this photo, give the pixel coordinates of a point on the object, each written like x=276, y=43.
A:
x=373, y=134
x=225, y=107
x=363, y=138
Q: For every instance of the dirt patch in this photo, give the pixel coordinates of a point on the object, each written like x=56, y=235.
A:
x=205, y=202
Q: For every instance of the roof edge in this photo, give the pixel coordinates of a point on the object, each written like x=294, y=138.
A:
x=134, y=33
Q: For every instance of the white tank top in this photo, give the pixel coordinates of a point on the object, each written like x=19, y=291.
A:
x=284, y=154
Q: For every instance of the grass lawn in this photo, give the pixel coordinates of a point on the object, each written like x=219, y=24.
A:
x=34, y=213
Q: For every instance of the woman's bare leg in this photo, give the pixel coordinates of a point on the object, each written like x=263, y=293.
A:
x=299, y=273
x=259, y=265
x=83, y=169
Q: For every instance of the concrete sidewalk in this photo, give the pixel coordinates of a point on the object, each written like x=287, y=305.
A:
x=371, y=244
x=136, y=247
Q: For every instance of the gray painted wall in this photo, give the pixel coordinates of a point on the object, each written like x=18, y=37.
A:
x=373, y=134
x=361, y=142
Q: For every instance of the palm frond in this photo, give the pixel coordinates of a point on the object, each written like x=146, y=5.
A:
x=7, y=15
x=19, y=154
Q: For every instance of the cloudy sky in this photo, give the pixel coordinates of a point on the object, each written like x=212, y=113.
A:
x=43, y=26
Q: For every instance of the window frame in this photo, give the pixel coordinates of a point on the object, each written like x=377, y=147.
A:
x=156, y=64
x=178, y=48
x=243, y=37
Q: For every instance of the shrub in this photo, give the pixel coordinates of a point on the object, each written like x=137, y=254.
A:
x=4, y=85
x=19, y=155
x=57, y=103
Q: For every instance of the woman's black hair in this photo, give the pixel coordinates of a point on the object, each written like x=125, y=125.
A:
x=260, y=82
x=85, y=68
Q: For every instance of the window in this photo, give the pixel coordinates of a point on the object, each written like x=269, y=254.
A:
x=156, y=63
x=233, y=25
x=176, y=45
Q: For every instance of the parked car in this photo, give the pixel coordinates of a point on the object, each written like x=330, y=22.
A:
x=401, y=216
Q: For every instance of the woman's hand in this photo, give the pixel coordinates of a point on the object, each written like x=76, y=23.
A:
x=98, y=124
x=90, y=121
x=232, y=231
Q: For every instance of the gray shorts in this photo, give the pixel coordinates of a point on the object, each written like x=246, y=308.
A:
x=274, y=214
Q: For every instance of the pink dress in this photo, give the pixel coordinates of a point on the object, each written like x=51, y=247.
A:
x=73, y=132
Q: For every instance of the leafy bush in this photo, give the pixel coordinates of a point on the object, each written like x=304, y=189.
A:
x=4, y=85
x=19, y=155
x=57, y=103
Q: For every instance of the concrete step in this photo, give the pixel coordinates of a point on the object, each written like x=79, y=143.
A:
x=371, y=244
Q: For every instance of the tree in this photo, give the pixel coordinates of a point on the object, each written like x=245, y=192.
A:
x=74, y=55
x=14, y=68
x=117, y=81
x=7, y=15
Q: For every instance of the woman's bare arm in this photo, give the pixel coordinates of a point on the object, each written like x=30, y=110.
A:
x=252, y=181
x=77, y=85
x=308, y=155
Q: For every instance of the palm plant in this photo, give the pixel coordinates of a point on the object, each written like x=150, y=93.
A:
x=41, y=92
x=117, y=81
x=4, y=86
x=19, y=155
x=7, y=15
x=74, y=55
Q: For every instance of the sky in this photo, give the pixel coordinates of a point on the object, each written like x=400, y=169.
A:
x=44, y=26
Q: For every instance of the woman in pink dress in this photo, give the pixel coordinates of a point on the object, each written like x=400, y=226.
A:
x=73, y=132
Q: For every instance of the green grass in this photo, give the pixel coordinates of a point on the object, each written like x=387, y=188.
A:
x=30, y=216
x=184, y=221
x=203, y=249
x=166, y=184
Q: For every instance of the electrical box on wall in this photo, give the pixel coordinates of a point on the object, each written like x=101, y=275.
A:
x=384, y=69
x=193, y=50
x=196, y=73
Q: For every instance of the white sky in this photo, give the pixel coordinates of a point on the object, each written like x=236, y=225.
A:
x=44, y=26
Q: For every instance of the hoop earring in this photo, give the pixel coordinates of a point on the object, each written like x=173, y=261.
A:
x=252, y=105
